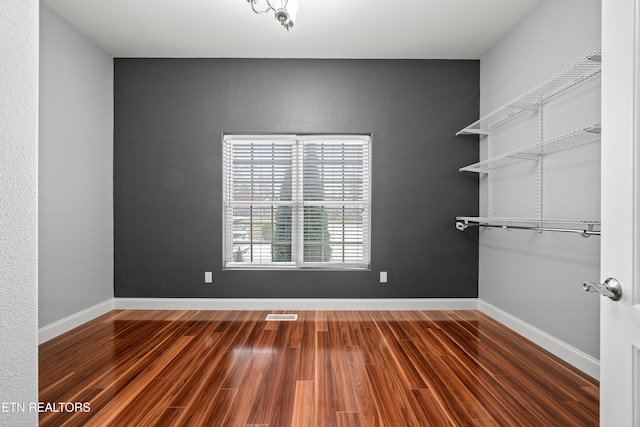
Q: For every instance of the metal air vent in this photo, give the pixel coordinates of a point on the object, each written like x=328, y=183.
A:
x=282, y=317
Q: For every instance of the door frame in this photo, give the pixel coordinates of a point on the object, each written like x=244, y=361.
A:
x=620, y=245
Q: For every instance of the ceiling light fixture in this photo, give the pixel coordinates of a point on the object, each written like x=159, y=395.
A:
x=285, y=10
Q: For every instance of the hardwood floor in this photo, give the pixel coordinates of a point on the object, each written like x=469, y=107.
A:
x=328, y=368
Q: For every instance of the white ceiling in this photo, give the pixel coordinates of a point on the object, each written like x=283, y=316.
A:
x=432, y=29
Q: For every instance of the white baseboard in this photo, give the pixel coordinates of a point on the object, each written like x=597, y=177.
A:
x=63, y=325
x=580, y=360
x=295, y=304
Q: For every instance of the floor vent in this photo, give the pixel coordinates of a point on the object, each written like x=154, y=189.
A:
x=282, y=317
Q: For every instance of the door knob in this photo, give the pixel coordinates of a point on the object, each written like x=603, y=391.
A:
x=610, y=288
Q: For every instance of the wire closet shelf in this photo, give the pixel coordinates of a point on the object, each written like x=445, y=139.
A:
x=533, y=151
x=582, y=70
x=586, y=228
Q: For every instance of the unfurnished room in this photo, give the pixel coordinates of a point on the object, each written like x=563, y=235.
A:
x=304, y=213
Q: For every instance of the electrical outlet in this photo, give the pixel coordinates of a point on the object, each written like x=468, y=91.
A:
x=208, y=277
x=383, y=277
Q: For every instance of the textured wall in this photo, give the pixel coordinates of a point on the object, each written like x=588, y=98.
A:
x=537, y=277
x=170, y=115
x=18, y=207
x=76, y=171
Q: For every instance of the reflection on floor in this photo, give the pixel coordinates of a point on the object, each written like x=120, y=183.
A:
x=328, y=368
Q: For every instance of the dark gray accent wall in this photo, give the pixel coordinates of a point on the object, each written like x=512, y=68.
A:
x=170, y=115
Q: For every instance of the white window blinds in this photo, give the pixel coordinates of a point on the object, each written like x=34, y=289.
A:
x=297, y=201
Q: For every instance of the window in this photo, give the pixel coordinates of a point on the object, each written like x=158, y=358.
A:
x=293, y=201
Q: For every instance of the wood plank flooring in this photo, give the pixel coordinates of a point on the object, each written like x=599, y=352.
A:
x=328, y=368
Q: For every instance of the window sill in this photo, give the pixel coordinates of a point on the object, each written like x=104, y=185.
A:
x=296, y=268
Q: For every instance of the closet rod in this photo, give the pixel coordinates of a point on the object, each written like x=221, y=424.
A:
x=461, y=225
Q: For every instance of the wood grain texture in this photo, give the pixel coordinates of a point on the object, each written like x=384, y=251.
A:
x=329, y=368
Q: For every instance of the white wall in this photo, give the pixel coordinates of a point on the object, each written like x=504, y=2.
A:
x=18, y=207
x=537, y=277
x=76, y=171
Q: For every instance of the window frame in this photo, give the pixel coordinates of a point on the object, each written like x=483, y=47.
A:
x=297, y=204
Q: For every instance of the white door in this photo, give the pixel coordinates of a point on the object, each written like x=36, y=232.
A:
x=620, y=320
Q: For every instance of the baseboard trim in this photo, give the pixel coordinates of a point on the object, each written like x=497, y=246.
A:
x=580, y=360
x=64, y=325
x=295, y=304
